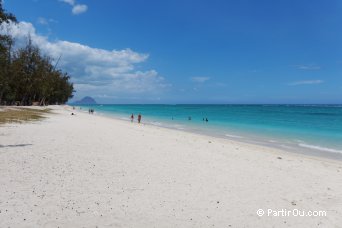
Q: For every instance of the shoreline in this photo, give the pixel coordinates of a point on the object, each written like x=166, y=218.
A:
x=88, y=170
x=247, y=138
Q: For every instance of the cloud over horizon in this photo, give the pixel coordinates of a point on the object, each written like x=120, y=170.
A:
x=306, y=82
x=94, y=71
x=307, y=67
x=200, y=79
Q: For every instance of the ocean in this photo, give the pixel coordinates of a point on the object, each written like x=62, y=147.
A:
x=314, y=129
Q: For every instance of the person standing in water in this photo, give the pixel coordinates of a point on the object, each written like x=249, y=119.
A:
x=139, y=118
x=132, y=117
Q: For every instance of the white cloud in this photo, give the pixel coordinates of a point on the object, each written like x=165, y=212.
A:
x=78, y=9
x=200, y=79
x=42, y=21
x=70, y=2
x=307, y=82
x=46, y=22
x=308, y=67
x=93, y=70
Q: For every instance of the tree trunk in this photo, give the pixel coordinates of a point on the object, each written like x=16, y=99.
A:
x=1, y=94
x=22, y=102
x=42, y=102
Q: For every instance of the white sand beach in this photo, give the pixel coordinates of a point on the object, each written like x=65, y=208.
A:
x=94, y=171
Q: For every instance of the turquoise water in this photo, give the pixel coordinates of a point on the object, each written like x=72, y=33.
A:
x=311, y=127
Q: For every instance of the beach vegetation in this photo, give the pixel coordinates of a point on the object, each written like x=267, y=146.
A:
x=18, y=115
x=27, y=76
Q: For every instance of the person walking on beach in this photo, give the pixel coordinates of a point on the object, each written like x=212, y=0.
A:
x=132, y=117
x=139, y=118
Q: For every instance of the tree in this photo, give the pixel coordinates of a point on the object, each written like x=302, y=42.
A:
x=6, y=17
x=6, y=43
x=26, y=75
x=37, y=80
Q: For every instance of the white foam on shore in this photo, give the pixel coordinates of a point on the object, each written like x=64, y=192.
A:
x=156, y=123
x=234, y=136
x=320, y=148
x=284, y=146
x=178, y=126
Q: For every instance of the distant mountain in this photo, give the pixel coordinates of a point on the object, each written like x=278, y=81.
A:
x=86, y=100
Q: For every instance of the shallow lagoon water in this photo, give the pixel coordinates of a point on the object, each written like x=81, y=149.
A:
x=316, y=128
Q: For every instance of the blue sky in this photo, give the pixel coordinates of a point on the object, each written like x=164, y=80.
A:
x=152, y=51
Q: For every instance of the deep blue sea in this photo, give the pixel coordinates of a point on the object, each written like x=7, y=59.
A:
x=315, y=128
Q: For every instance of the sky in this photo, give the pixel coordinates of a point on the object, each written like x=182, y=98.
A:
x=190, y=51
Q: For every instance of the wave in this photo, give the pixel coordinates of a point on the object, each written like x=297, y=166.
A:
x=285, y=146
x=320, y=148
x=234, y=136
x=156, y=123
x=323, y=114
x=178, y=126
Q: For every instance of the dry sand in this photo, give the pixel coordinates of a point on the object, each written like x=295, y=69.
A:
x=93, y=171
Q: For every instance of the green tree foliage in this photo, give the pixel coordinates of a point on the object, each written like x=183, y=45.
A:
x=5, y=16
x=6, y=43
x=27, y=76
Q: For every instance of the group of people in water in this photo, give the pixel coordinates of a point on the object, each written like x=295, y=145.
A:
x=139, y=118
x=91, y=111
x=204, y=119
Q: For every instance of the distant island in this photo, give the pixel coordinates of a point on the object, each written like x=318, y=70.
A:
x=85, y=101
